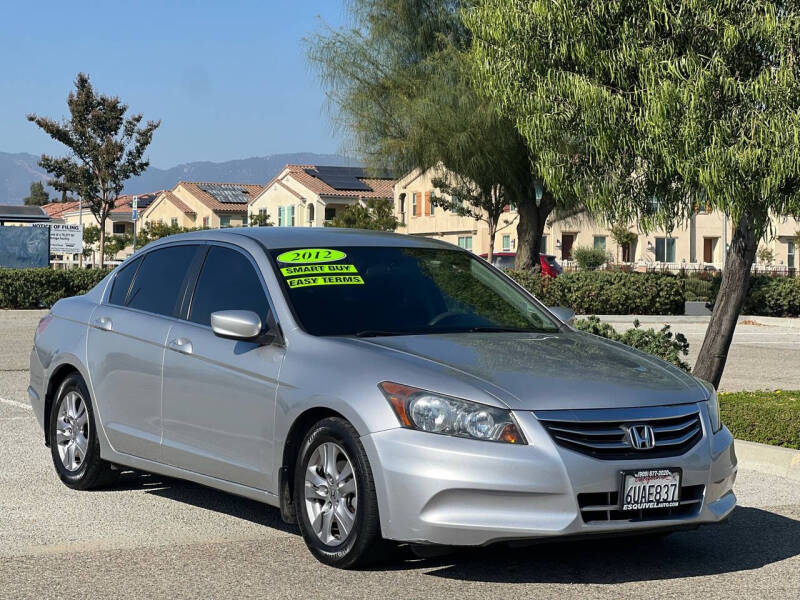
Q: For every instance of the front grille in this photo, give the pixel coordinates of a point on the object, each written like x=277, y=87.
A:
x=603, y=433
x=603, y=506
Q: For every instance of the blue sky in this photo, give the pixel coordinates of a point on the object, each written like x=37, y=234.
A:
x=229, y=79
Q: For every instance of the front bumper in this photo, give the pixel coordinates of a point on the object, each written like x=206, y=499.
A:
x=437, y=489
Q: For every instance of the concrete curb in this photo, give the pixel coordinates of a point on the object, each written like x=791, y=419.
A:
x=786, y=322
x=772, y=460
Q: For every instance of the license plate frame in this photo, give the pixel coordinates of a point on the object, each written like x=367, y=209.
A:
x=668, y=475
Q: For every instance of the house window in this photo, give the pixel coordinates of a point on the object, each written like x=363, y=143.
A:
x=600, y=242
x=465, y=242
x=244, y=221
x=311, y=214
x=118, y=228
x=431, y=196
x=665, y=249
x=402, y=208
x=174, y=221
x=506, y=243
x=330, y=213
x=414, y=204
x=205, y=221
x=291, y=215
x=280, y=216
x=790, y=254
x=262, y=212
x=224, y=221
x=543, y=245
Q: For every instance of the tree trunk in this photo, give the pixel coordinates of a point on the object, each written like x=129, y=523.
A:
x=102, y=241
x=530, y=229
x=492, y=235
x=732, y=293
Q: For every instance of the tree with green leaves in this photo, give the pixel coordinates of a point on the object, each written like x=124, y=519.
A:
x=647, y=108
x=401, y=87
x=105, y=149
x=38, y=196
x=260, y=220
x=468, y=199
x=376, y=214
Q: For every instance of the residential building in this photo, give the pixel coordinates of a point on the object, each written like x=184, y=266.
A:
x=119, y=221
x=310, y=195
x=699, y=243
x=418, y=216
x=202, y=204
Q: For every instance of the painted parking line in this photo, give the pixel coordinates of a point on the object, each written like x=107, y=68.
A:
x=15, y=403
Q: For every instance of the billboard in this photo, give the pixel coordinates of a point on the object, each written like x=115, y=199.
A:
x=64, y=239
x=23, y=247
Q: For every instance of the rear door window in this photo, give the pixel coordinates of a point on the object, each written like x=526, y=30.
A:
x=160, y=280
x=122, y=281
x=227, y=281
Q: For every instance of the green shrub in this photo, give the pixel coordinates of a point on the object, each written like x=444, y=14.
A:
x=662, y=343
x=588, y=258
x=698, y=289
x=608, y=292
x=765, y=417
x=41, y=288
x=770, y=296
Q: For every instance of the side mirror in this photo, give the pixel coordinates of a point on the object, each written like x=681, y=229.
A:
x=237, y=325
x=564, y=314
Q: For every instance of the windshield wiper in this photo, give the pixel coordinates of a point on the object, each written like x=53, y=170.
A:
x=504, y=329
x=380, y=333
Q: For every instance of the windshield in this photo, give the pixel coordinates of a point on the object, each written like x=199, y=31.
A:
x=374, y=291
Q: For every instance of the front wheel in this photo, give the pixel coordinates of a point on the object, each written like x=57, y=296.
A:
x=335, y=497
x=73, y=438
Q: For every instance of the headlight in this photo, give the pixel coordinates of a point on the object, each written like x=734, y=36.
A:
x=426, y=411
x=713, y=407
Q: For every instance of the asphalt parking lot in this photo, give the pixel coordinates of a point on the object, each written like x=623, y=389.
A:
x=764, y=354
x=156, y=537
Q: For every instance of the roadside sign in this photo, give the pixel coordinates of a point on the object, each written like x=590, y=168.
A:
x=134, y=214
x=64, y=239
x=135, y=203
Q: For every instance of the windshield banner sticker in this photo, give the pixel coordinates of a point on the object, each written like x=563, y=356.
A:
x=311, y=269
x=298, y=282
x=310, y=255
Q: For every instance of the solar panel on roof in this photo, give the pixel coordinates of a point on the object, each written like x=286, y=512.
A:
x=227, y=193
x=341, y=178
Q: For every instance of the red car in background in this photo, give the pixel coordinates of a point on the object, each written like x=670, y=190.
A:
x=505, y=260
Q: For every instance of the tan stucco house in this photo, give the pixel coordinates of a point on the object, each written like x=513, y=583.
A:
x=202, y=204
x=698, y=243
x=310, y=195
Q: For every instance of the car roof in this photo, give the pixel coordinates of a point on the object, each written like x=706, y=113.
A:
x=300, y=237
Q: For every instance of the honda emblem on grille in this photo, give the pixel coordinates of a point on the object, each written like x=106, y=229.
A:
x=641, y=437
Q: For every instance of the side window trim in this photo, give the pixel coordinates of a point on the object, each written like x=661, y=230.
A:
x=130, y=284
x=200, y=246
x=272, y=317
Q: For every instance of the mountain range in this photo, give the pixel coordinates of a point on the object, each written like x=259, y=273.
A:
x=18, y=171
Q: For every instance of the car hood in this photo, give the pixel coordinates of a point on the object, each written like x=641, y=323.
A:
x=568, y=369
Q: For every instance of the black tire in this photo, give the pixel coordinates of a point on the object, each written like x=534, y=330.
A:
x=93, y=472
x=364, y=544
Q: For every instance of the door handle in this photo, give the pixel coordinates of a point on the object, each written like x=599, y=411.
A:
x=102, y=323
x=181, y=345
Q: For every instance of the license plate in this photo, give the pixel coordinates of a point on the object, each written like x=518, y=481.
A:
x=650, y=488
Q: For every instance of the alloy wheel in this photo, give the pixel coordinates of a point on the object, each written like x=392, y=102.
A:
x=72, y=431
x=331, y=493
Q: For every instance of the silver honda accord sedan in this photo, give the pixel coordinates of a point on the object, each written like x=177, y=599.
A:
x=378, y=389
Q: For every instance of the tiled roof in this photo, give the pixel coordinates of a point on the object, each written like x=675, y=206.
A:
x=56, y=209
x=193, y=187
x=124, y=204
x=381, y=187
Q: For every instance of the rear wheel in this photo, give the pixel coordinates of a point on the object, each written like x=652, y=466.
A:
x=73, y=438
x=335, y=497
